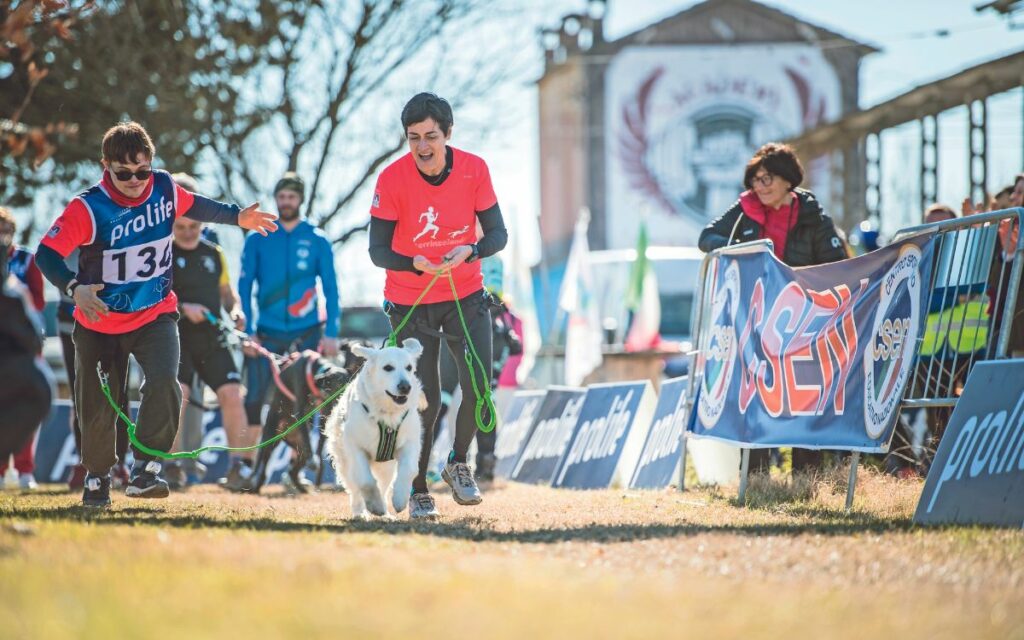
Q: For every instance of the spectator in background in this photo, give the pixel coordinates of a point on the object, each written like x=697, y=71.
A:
x=202, y=284
x=774, y=208
x=1009, y=234
x=284, y=267
x=27, y=387
x=1003, y=199
x=22, y=265
x=938, y=212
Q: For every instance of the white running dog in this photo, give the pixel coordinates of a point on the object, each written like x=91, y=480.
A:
x=374, y=434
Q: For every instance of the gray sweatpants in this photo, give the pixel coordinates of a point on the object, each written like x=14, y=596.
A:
x=156, y=349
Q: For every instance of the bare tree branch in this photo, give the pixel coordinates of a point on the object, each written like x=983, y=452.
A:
x=343, y=238
x=369, y=172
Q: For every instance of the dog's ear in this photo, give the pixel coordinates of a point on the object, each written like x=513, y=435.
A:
x=363, y=351
x=413, y=346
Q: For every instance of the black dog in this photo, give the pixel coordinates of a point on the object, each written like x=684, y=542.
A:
x=308, y=379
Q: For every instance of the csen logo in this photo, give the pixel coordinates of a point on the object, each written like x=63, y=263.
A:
x=720, y=353
x=890, y=352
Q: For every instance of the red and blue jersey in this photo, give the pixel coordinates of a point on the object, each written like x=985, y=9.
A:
x=125, y=245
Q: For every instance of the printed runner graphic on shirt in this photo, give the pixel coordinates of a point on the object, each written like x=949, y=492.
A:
x=430, y=227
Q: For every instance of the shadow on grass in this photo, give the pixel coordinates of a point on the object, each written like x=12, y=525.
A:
x=468, y=528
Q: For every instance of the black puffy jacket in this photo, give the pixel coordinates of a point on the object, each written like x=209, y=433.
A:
x=812, y=240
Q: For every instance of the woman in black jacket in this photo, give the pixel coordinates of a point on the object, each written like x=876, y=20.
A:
x=773, y=207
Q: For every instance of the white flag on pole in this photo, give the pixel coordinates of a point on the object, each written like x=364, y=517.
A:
x=583, y=334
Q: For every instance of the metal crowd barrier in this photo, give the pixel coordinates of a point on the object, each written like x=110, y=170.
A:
x=966, y=321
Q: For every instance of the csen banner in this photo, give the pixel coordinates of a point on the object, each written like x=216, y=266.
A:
x=816, y=357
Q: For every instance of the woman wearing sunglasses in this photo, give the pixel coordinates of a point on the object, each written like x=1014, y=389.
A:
x=773, y=207
x=124, y=304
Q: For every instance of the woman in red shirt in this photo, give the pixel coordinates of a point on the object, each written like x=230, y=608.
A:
x=423, y=222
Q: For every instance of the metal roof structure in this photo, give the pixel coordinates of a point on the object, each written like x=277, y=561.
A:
x=975, y=83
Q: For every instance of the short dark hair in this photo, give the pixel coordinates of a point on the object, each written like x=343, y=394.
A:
x=777, y=159
x=292, y=182
x=428, y=105
x=124, y=141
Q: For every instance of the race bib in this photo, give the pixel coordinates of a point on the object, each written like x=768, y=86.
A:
x=137, y=263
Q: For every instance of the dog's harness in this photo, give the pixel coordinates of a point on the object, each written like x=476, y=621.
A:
x=388, y=436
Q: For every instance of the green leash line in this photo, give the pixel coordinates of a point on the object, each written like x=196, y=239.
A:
x=483, y=399
x=104, y=385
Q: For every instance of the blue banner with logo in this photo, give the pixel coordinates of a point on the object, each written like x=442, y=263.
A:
x=817, y=357
x=659, y=458
x=977, y=476
x=549, y=438
x=515, y=429
x=605, y=445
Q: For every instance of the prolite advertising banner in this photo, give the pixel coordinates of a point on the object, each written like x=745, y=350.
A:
x=609, y=434
x=550, y=435
x=816, y=357
x=56, y=454
x=977, y=476
x=659, y=458
x=682, y=121
x=515, y=429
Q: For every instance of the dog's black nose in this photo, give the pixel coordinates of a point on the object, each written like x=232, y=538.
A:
x=404, y=387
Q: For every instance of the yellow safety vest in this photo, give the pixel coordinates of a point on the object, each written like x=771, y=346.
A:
x=964, y=327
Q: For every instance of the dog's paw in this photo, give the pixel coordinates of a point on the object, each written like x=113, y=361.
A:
x=363, y=515
x=376, y=506
x=400, y=502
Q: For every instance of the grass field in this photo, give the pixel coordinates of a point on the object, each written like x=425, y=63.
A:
x=530, y=562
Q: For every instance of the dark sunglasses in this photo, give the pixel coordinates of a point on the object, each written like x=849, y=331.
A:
x=124, y=175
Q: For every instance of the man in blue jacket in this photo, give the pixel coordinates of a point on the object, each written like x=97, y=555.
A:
x=284, y=267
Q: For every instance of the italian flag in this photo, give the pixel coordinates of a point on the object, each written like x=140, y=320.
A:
x=642, y=300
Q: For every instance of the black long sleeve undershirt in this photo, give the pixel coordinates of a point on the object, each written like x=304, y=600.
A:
x=53, y=267
x=495, y=233
x=382, y=233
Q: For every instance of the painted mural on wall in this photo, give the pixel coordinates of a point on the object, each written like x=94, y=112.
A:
x=682, y=121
